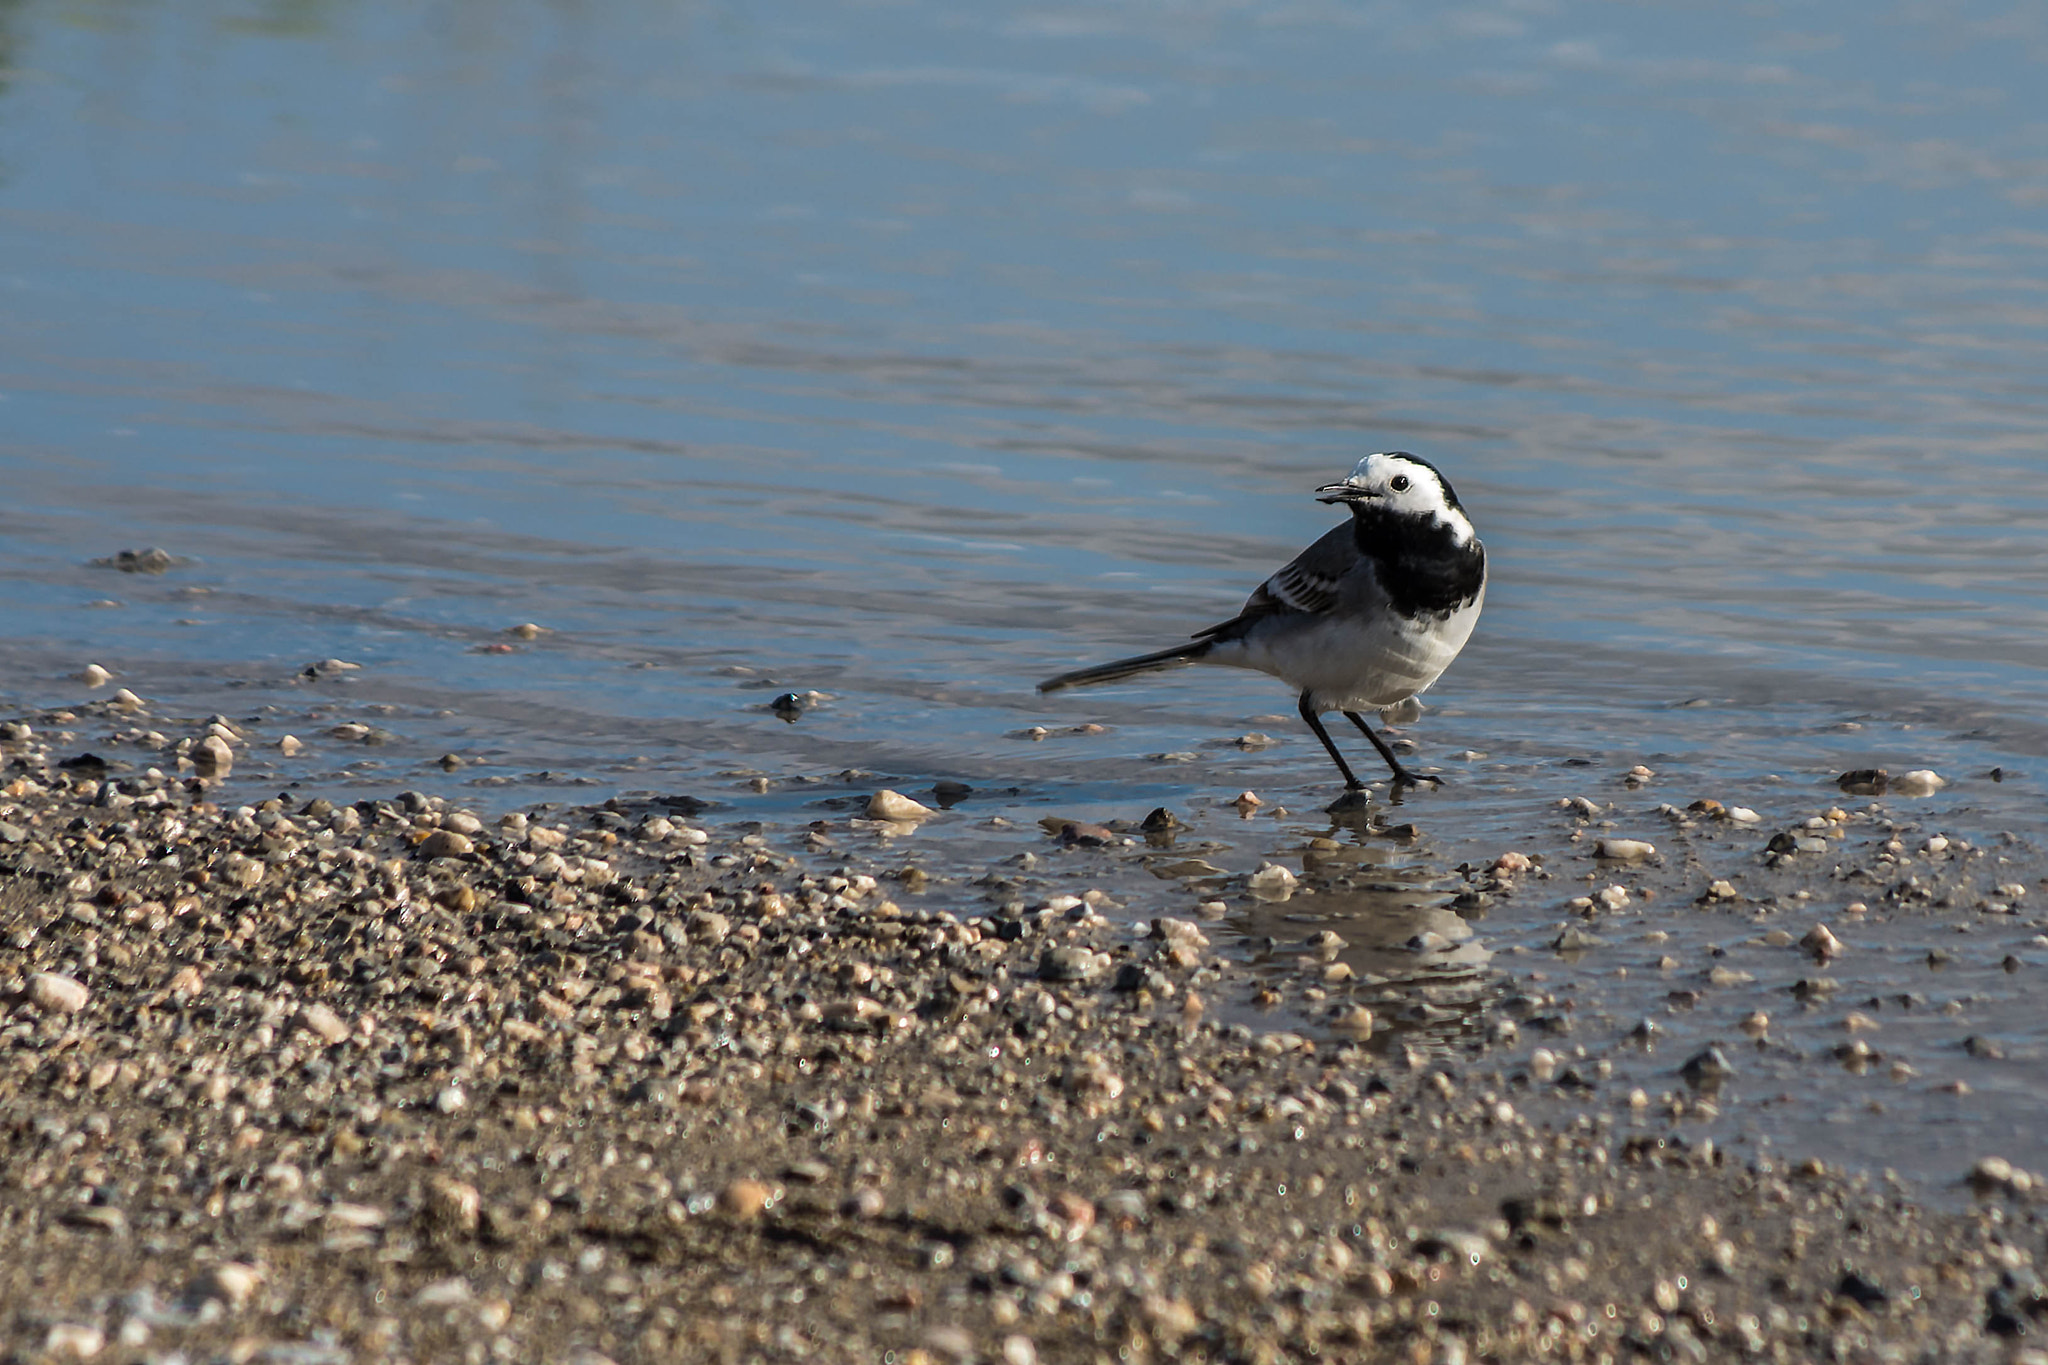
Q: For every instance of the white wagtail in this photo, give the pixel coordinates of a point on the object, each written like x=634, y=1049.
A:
x=1363, y=619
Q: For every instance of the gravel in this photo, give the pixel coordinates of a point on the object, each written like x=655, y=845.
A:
x=306, y=1082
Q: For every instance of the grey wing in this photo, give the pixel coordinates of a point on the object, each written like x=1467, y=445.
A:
x=1309, y=585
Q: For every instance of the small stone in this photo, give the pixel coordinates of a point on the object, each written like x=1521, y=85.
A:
x=892, y=805
x=1822, y=943
x=1864, y=781
x=1992, y=1175
x=452, y=1207
x=1354, y=1023
x=92, y=675
x=1247, y=802
x=1742, y=815
x=126, y=701
x=1707, y=1068
x=290, y=745
x=446, y=843
x=450, y=1098
x=55, y=993
x=1919, y=782
x=1073, y=1210
x=1071, y=962
x=526, y=631
x=323, y=1023
x=231, y=1283
x=744, y=1200
x=1019, y=1350
x=1272, y=882
x=212, y=757
x=1624, y=850
x=1757, y=1025
x=73, y=1341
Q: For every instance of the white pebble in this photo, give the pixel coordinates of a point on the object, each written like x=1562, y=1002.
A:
x=892, y=805
x=1272, y=882
x=92, y=675
x=1821, y=942
x=1624, y=850
x=56, y=993
x=1919, y=782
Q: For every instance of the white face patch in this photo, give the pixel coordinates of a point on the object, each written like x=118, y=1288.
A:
x=1401, y=483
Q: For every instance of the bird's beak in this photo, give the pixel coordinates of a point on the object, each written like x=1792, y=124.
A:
x=1346, y=491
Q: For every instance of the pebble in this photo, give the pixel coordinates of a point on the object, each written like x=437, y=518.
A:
x=73, y=1341
x=212, y=757
x=290, y=745
x=1919, y=782
x=1996, y=1175
x=452, y=1208
x=1272, y=882
x=1624, y=850
x=1707, y=1067
x=1072, y=963
x=92, y=675
x=446, y=843
x=1822, y=943
x=55, y=993
x=743, y=1201
x=231, y=1284
x=323, y=1023
x=1354, y=1022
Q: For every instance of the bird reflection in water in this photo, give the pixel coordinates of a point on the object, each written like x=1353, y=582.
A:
x=1369, y=922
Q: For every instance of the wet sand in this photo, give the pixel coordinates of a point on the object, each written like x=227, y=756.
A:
x=303, y=1082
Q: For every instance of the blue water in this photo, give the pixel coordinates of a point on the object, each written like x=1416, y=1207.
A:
x=912, y=353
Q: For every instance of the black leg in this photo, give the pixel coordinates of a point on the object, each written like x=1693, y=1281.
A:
x=1401, y=774
x=1315, y=723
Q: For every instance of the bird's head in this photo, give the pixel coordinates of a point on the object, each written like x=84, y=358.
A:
x=1393, y=482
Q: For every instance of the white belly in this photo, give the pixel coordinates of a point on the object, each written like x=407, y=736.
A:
x=1348, y=664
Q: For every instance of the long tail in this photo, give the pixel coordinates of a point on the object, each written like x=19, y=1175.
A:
x=1128, y=668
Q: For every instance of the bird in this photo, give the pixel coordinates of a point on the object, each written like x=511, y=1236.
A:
x=1362, y=620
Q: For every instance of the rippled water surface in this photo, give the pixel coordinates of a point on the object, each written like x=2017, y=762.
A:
x=910, y=353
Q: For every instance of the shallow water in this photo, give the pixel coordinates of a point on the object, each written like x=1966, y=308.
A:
x=911, y=354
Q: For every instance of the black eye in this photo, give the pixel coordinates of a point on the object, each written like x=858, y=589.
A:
x=1399, y=483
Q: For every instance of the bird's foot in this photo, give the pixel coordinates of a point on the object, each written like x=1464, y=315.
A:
x=1354, y=800
x=1408, y=779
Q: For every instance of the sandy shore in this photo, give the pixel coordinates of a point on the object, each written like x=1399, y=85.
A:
x=305, y=1083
